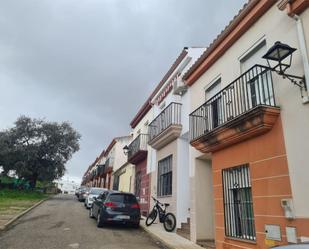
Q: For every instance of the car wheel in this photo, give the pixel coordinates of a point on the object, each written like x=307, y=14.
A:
x=99, y=222
x=91, y=213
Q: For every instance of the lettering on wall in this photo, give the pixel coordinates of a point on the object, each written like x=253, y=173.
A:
x=166, y=90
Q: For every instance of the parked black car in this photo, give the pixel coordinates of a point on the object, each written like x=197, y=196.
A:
x=116, y=207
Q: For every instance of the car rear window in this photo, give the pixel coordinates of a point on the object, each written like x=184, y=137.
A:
x=96, y=191
x=122, y=198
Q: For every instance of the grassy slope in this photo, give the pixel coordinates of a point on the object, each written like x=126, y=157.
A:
x=16, y=201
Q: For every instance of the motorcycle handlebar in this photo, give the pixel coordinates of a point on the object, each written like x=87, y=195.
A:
x=156, y=200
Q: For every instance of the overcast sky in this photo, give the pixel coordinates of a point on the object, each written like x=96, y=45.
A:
x=94, y=62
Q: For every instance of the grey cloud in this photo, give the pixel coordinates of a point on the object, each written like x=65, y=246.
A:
x=94, y=62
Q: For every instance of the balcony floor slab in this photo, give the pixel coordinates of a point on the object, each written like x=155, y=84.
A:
x=251, y=124
x=165, y=137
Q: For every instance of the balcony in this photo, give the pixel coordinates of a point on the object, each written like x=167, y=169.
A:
x=100, y=169
x=138, y=149
x=166, y=127
x=244, y=109
x=108, y=166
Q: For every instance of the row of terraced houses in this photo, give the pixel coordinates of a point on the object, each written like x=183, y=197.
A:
x=224, y=137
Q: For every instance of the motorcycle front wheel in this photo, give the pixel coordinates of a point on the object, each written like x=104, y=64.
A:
x=151, y=217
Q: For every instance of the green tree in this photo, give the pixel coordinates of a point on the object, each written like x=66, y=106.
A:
x=37, y=149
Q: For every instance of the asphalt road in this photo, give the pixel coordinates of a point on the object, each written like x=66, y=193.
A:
x=63, y=222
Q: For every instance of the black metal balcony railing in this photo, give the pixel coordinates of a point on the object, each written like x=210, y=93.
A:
x=171, y=115
x=100, y=169
x=138, y=144
x=253, y=88
x=108, y=164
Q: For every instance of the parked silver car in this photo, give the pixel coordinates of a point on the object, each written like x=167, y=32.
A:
x=92, y=193
x=82, y=193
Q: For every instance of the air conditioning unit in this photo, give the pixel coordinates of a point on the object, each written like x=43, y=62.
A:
x=179, y=88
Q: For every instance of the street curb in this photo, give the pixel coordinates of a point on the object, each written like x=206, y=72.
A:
x=156, y=237
x=5, y=226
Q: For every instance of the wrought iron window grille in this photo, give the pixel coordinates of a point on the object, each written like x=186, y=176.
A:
x=238, y=203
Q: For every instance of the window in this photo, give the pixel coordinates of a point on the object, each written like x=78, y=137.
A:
x=122, y=198
x=215, y=104
x=258, y=89
x=238, y=206
x=165, y=176
x=253, y=56
x=96, y=191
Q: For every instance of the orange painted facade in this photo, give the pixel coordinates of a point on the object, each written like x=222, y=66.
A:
x=267, y=160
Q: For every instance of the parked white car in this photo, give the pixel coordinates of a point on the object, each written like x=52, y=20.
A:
x=93, y=192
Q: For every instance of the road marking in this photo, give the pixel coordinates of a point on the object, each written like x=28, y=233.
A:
x=75, y=245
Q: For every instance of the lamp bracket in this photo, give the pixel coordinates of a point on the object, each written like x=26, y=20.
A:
x=294, y=79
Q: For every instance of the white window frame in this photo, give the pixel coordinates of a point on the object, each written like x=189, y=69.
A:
x=258, y=87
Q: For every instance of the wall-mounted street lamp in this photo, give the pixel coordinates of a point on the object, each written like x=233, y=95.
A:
x=279, y=59
x=126, y=150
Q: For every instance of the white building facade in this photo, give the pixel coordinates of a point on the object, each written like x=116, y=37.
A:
x=168, y=137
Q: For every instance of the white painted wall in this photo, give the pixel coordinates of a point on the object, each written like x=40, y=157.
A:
x=180, y=199
x=185, y=111
x=205, y=228
x=169, y=149
x=142, y=125
x=119, y=157
x=183, y=186
x=151, y=160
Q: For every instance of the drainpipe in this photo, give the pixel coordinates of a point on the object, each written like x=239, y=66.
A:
x=304, y=54
x=302, y=47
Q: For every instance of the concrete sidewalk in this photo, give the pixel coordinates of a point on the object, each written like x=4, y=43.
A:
x=171, y=240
